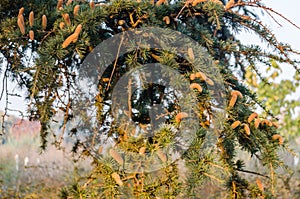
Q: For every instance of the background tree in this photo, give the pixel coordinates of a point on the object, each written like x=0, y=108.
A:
x=44, y=54
x=284, y=103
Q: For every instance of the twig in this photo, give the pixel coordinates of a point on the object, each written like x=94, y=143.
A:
x=6, y=100
x=270, y=9
x=234, y=189
x=272, y=179
x=116, y=60
x=44, y=38
x=218, y=23
x=34, y=82
x=3, y=83
x=213, y=177
x=129, y=98
x=218, y=166
x=185, y=6
x=255, y=4
x=253, y=172
x=273, y=18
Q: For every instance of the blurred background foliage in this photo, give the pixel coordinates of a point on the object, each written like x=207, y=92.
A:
x=281, y=94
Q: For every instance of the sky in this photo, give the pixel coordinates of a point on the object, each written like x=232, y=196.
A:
x=285, y=33
x=290, y=9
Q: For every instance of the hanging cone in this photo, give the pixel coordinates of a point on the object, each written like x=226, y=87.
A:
x=59, y=4
x=257, y=123
x=235, y=124
x=260, y=184
x=78, y=29
x=167, y=19
x=21, y=11
x=44, y=22
x=201, y=75
x=115, y=155
x=31, y=35
x=62, y=25
x=238, y=93
x=117, y=178
x=279, y=138
x=180, y=116
x=247, y=129
x=191, y=54
x=31, y=18
x=71, y=39
x=76, y=10
x=69, y=2
x=142, y=150
x=209, y=82
x=196, y=86
x=192, y=76
x=67, y=18
x=252, y=116
x=21, y=24
x=159, y=2
x=92, y=5
x=232, y=101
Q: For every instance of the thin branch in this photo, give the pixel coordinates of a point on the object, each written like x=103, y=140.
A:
x=253, y=172
x=45, y=37
x=116, y=60
x=3, y=83
x=276, y=21
x=129, y=98
x=218, y=166
x=277, y=13
x=35, y=82
x=185, y=6
x=213, y=177
x=272, y=179
x=6, y=101
x=256, y=5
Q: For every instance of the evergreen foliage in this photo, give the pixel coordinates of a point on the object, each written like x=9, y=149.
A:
x=47, y=67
